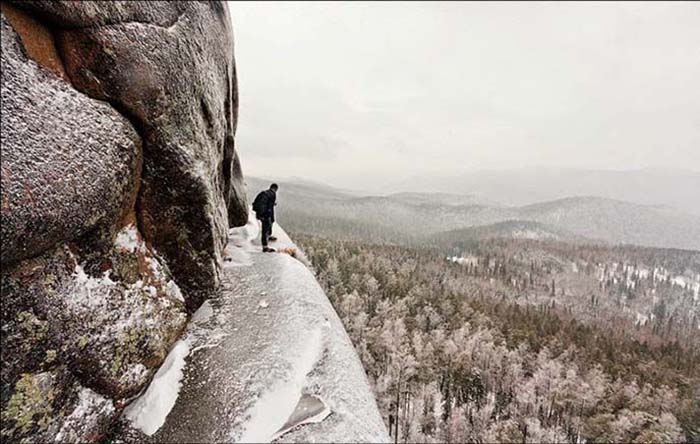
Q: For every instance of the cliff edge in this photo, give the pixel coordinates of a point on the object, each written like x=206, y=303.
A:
x=266, y=359
x=119, y=182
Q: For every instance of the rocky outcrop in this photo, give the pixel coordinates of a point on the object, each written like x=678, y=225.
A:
x=119, y=182
x=266, y=359
x=169, y=67
x=69, y=163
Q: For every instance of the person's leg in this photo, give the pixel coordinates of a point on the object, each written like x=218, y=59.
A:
x=265, y=231
x=270, y=237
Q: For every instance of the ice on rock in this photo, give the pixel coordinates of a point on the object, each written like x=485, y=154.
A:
x=292, y=372
x=128, y=239
x=149, y=411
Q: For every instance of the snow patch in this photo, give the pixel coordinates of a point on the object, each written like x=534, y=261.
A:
x=173, y=291
x=83, y=292
x=128, y=239
x=203, y=313
x=273, y=408
x=91, y=409
x=464, y=260
x=237, y=252
x=148, y=412
x=641, y=319
x=136, y=372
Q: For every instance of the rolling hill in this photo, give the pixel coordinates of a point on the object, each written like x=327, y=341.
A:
x=420, y=215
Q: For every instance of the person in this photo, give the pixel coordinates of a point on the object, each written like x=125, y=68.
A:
x=264, y=207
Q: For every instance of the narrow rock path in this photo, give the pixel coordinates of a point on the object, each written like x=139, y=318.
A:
x=268, y=359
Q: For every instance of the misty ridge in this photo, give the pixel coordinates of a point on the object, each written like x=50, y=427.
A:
x=656, y=208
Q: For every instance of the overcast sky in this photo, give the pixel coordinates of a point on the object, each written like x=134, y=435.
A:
x=365, y=93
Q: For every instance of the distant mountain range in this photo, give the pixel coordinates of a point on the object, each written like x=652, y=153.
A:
x=420, y=215
x=679, y=189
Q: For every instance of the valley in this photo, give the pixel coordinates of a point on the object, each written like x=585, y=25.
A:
x=573, y=320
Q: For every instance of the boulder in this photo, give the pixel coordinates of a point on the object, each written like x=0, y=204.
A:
x=109, y=316
x=70, y=163
x=169, y=68
x=119, y=182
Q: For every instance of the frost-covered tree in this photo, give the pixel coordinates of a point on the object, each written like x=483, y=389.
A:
x=480, y=353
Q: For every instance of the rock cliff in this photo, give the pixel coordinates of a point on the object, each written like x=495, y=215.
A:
x=119, y=182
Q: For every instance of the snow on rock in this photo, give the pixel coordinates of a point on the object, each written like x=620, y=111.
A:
x=87, y=289
x=134, y=374
x=128, y=239
x=149, y=411
x=259, y=374
x=172, y=290
x=85, y=418
x=241, y=243
x=121, y=325
x=269, y=414
x=203, y=313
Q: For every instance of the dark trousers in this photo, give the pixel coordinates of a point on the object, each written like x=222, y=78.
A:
x=266, y=229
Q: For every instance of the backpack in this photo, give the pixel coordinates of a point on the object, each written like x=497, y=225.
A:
x=259, y=202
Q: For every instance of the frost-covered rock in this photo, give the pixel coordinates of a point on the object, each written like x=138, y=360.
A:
x=168, y=67
x=69, y=162
x=266, y=360
x=119, y=183
x=110, y=328
x=52, y=406
x=85, y=422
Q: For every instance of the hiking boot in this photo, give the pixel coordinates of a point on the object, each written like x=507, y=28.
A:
x=268, y=250
x=272, y=238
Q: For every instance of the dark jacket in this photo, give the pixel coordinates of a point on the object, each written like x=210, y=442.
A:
x=264, y=204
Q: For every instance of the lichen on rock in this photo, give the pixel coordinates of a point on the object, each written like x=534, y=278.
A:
x=29, y=406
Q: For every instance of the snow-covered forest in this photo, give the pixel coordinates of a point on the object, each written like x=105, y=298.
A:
x=521, y=341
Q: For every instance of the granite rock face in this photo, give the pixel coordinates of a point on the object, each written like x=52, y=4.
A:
x=172, y=73
x=119, y=182
x=104, y=332
x=69, y=163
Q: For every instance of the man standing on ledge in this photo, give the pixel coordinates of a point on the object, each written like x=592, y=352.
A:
x=264, y=207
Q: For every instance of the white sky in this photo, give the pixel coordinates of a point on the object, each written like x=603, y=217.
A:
x=365, y=92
